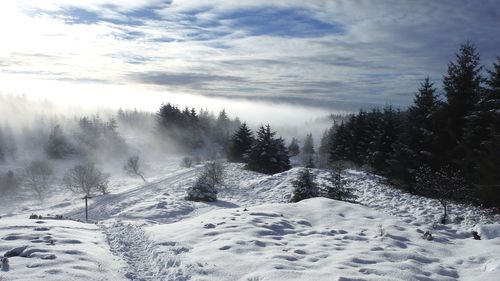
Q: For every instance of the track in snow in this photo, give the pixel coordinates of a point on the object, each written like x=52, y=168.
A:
x=144, y=261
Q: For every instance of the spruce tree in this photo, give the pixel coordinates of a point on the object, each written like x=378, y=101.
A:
x=340, y=144
x=58, y=146
x=282, y=155
x=482, y=138
x=334, y=187
x=268, y=154
x=241, y=143
x=324, y=148
x=424, y=125
x=221, y=132
x=304, y=186
x=462, y=86
x=293, y=148
x=308, y=147
x=384, y=140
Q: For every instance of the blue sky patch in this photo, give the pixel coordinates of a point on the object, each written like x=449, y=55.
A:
x=280, y=22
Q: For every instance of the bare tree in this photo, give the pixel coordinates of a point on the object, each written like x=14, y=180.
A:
x=38, y=176
x=132, y=167
x=86, y=178
x=445, y=185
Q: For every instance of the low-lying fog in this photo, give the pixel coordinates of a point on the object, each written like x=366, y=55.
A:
x=105, y=127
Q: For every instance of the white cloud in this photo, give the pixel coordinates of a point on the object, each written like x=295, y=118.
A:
x=384, y=48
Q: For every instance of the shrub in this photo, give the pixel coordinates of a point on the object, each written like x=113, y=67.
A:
x=204, y=188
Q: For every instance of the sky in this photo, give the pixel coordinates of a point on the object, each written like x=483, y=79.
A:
x=331, y=53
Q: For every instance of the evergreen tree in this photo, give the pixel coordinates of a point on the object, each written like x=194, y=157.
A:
x=424, y=125
x=334, y=187
x=308, y=147
x=282, y=155
x=341, y=145
x=304, y=186
x=221, y=132
x=293, y=148
x=482, y=139
x=241, y=144
x=58, y=146
x=384, y=140
x=462, y=86
x=324, y=147
x=308, y=152
x=268, y=154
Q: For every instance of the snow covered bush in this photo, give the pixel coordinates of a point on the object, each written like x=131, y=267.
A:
x=38, y=176
x=85, y=178
x=304, y=186
x=204, y=188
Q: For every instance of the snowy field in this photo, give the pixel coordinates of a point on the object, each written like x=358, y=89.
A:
x=150, y=232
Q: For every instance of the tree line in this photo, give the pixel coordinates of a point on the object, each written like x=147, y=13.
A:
x=455, y=136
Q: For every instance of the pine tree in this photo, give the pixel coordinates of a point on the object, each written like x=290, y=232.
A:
x=462, y=86
x=241, y=144
x=324, y=147
x=58, y=146
x=482, y=138
x=304, y=186
x=282, y=155
x=268, y=154
x=424, y=125
x=308, y=147
x=221, y=132
x=341, y=148
x=293, y=148
x=334, y=187
x=384, y=140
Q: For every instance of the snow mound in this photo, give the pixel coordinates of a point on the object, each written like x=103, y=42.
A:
x=60, y=250
x=488, y=231
x=315, y=239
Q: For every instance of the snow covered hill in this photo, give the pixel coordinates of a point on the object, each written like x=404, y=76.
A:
x=150, y=232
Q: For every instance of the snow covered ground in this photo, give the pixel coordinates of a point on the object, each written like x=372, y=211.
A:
x=150, y=232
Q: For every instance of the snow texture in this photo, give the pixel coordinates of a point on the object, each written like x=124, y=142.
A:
x=149, y=231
